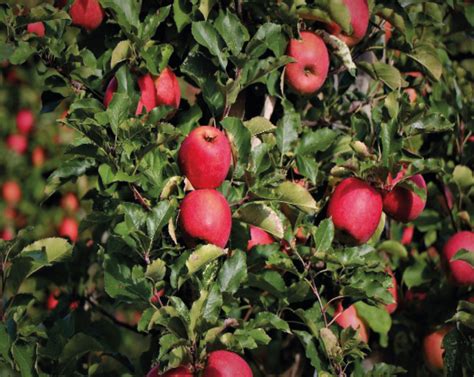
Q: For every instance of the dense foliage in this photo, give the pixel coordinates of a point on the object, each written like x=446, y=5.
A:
x=133, y=291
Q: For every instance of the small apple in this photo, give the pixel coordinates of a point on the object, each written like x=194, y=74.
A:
x=73, y=305
x=205, y=156
x=17, y=143
x=86, y=13
x=407, y=235
x=69, y=202
x=226, y=364
x=176, y=372
x=69, y=228
x=109, y=91
x=401, y=203
x=433, y=349
x=167, y=89
x=38, y=157
x=462, y=272
x=309, y=71
x=11, y=192
x=36, y=28
x=6, y=234
x=349, y=317
x=205, y=215
x=356, y=209
x=148, y=98
x=359, y=13
x=52, y=300
x=394, y=292
x=258, y=237
x=25, y=121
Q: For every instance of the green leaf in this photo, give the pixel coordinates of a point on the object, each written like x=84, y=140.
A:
x=386, y=73
x=463, y=177
x=233, y=272
x=158, y=218
x=317, y=141
x=377, y=318
x=78, y=345
x=270, y=281
x=120, y=53
x=393, y=248
x=21, y=54
x=269, y=36
x=427, y=57
x=324, y=235
x=206, y=35
x=307, y=167
x=118, y=110
x=152, y=21
x=269, y=320
x=239, y=136
x=286, y=133
x=432, y=123
x=23, y=354
x=232, y=31
x=127, y=12
x=464, y=255
x=311, y=352
x=294, y=194
x=181, y=14
x=202, y=256
x=5, y=343
x=259, y=125
x=261, y=216
x=416, y=274
x=156, y=270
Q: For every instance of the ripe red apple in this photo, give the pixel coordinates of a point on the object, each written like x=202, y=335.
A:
x=205, y=215
x=25, y=121
x=258, y=237
x=176, y=372
x=148, y=98
x=403, y=204
x=167, y=89
x=407, y=235
x=36, y=28
x=17, y=143
x=349, y=317
x=11, y=192
x=355, y=208
x=205, y=156
x=6, y=234
x=69, y=228
x=226, y=364
x=109, y=91
x=433, y=349
x=359, y=13
x=86, y=13
x=52, y=300
x=38, y=157
x=394, y=292
x=310, y=69
x=69, y=202
x=462, y=272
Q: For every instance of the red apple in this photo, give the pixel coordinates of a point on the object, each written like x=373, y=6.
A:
x=205, y=215
x=355, y=208
x=24, y=121
x=394, y=292
x=109, y=91
x=462, y=272
x=38, y=157
x=433, y=349
x=167, y=89
x=205, y=156
x=258, y=237
x=309, y=71
x=36, y=28
x=359, y=13
x=148, y=98
x=407, y=235
x=86, y=13
x=69, y=202
x=11, y=192
x=73, y=305
x=69, y=228
x=349, y=317
x=17, y=143
x=226, y=364
x=6, y=234
x=176, y=372
x=403, y=204
x=52, y=301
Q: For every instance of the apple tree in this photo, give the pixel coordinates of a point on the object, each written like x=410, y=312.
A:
x=269, y=188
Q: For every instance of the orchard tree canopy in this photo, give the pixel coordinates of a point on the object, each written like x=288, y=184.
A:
x=267, y=188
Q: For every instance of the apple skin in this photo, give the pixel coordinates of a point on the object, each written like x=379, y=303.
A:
x=24, y=121
x=109, y=91
x=69, y=228
x=407, y=235
x=86, y=13
x=6, y=234
x=11, y=192
x=176, y=372
x=205, y=215
x=359, y=12
x=258, y=237
x=310, y=69
x=432, y=349
x=355, y=208
x=167, y=89
x=36, y=28
x=148, y=100
x=462, y=272
x=403, y=204
x=69, y=202
x=17, y=143
x=38, y=157
x=226, y=364
x=349, y=317
x=204, y=157
x=393, y=290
